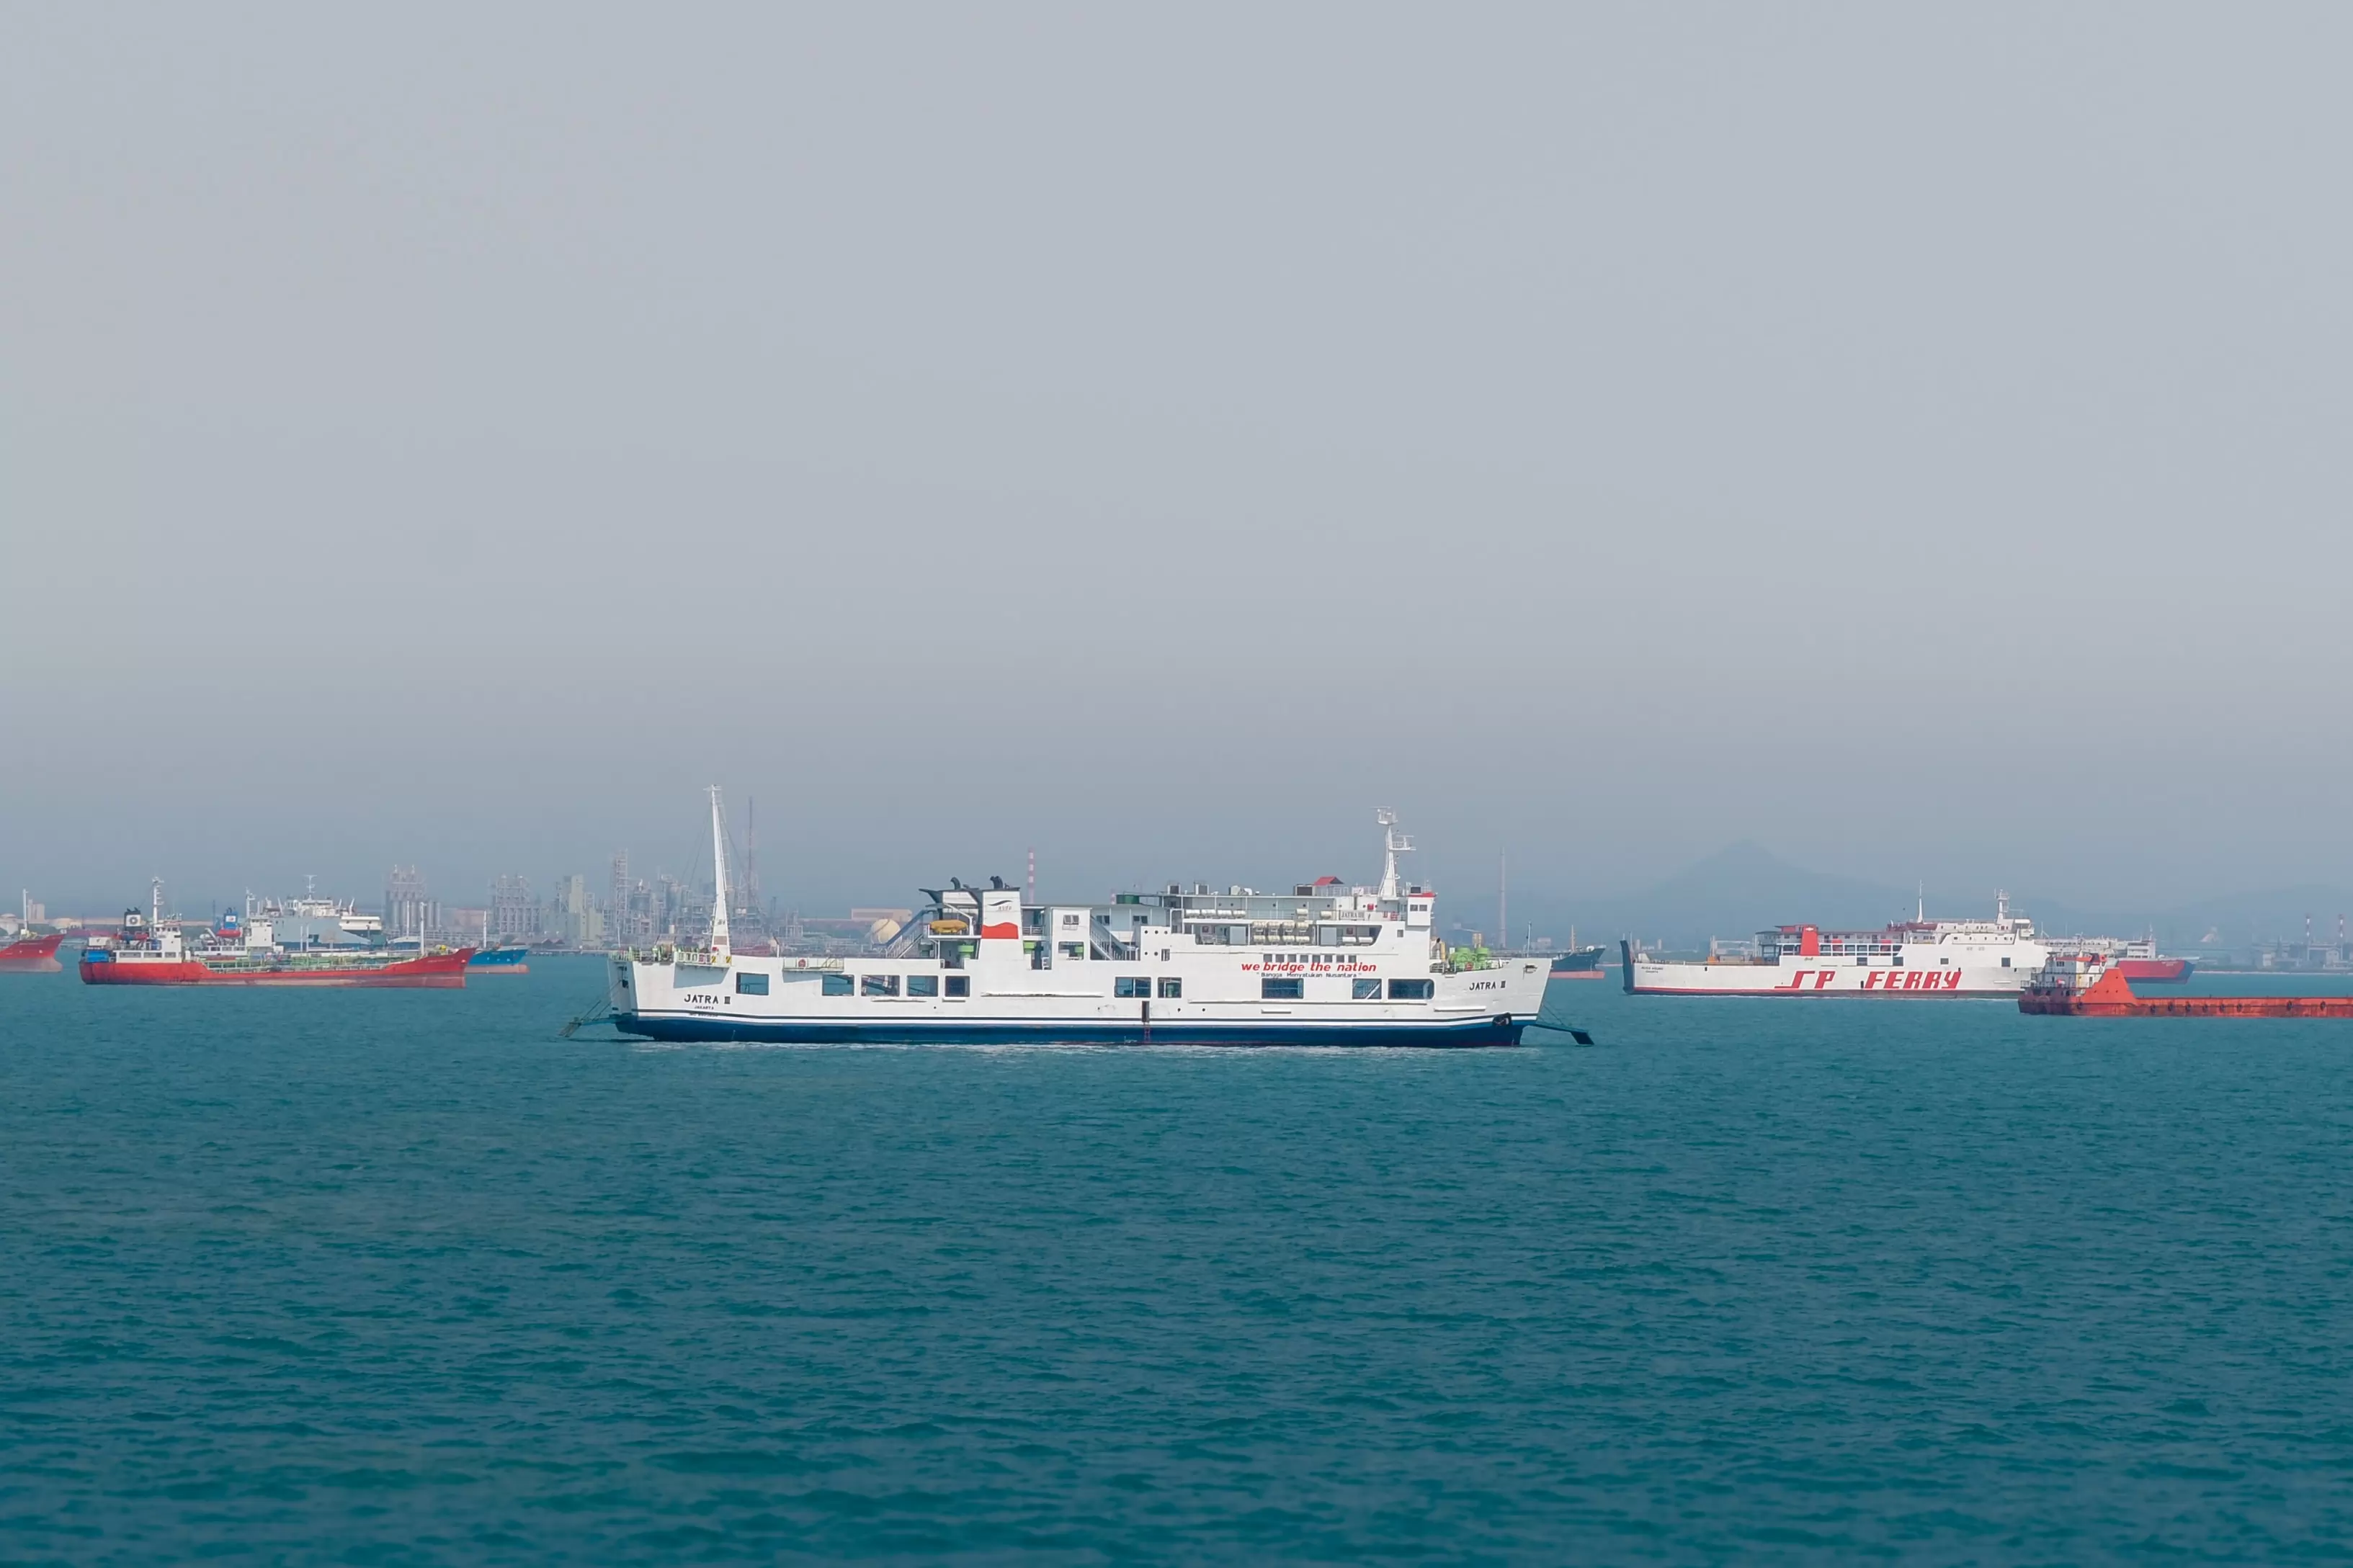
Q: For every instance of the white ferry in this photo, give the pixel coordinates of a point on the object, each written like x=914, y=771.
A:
x=1322, y=965
x=313, y=921
x=1918, y=957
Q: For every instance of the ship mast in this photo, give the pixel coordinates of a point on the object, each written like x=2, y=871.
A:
x=1392, y=842
x=719, y=880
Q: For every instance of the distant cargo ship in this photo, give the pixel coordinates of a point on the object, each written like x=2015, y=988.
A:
x=32, y=955
x=152, y=950
x=499, y=960
x=1917, y=957
x=2134, y=958
x=1577, y=964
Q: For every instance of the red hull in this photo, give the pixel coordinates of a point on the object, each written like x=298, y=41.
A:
x=441, y=971
x=2110, y=998
x=32, y=955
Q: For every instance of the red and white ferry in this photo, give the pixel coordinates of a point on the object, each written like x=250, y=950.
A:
x=152, y=950
x=1917, y=957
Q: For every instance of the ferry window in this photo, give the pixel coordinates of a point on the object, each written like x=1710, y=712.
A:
x=837, y=986
x=923, y=986
x=1411, y=990
x=1365, y=990
x=749, y=984
x=878, y=986
x=2005, y=963
x=1074, y=950
x=959, y=985
x=1171, y=987
x=1272, y=989
x=1132, y=986
x=1069, y=920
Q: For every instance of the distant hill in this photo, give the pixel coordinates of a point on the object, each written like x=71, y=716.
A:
x=1735, y=893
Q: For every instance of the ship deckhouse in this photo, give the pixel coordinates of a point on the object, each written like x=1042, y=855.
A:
x=1323, y=963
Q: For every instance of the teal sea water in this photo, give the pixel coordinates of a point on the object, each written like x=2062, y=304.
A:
x=403, y=1278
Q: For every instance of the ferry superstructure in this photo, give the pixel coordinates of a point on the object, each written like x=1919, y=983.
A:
x=1324, y=964
x=1914, y=958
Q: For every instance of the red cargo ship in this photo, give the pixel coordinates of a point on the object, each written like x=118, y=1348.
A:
x=31, y=955
x=154, y=951
x=2135, y=958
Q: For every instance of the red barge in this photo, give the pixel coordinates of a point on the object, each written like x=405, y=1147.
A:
x=32, y=955
x=154, y=951
x=2088, y=985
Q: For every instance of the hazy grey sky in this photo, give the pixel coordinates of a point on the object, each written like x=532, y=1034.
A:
x=1912, y=437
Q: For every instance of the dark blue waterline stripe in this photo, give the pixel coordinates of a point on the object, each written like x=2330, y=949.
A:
x=704, y=1030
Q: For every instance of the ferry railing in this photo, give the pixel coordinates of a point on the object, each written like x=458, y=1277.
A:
x=703, y=958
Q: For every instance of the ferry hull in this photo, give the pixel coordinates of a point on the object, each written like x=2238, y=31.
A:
x=782, y=1001
x=434, y=972
x=681, y=1028
x=1815, y=978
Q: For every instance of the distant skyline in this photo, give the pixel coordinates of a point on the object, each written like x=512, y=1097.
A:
x=1737, y=889
x=1912, y=441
